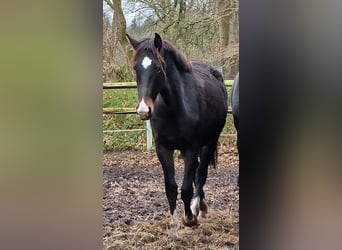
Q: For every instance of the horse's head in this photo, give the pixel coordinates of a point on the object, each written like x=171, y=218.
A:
x=149, y=66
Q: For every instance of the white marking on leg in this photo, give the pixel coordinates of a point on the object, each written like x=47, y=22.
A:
x=195, y=204
x=174, y=225
x=146, y=62
x=142, y=108
x=203, y=209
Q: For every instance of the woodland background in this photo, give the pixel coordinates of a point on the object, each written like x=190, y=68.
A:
x=205, y=30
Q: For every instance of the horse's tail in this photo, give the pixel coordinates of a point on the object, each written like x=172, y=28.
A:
x=213, y=160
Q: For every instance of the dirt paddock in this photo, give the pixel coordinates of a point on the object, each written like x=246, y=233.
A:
x=135, y=208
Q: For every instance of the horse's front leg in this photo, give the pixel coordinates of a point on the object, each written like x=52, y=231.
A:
x=166, y=159
x=191, y=163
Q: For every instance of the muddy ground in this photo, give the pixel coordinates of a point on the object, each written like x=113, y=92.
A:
x=136, y=212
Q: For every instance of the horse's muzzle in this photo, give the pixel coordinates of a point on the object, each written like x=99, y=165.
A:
x=144, y=110
x=144, y=115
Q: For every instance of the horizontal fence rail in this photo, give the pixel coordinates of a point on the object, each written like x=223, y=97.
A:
x=119, y=111
x=133, y=85
x=120, y=85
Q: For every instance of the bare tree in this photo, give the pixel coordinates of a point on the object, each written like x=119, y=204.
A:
x=109, y=46
x=227, y=16
x=120, y=28
x=223, y=20
x=205, y=30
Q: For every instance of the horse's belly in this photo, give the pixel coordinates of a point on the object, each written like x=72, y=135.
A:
x=172, y=141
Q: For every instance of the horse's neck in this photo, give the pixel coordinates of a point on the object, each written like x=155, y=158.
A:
x=173, y=92
x=170, y=94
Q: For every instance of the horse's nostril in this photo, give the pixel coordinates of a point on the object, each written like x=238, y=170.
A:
x=144, y=116
x=144, y=110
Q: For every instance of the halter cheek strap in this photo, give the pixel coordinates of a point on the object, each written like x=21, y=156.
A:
x=161, y=60
x=162, y=66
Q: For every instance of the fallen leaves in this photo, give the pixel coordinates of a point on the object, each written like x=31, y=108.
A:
x=136, y=212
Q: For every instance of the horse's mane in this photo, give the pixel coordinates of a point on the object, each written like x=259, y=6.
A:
x=177, y=55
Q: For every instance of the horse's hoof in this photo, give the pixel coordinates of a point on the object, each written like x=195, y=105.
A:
x=190, y=222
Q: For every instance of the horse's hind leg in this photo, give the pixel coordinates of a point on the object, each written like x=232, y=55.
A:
x=198, y=205
x=166, y=159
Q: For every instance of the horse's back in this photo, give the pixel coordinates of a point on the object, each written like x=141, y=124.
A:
x=210, y=79
x=205, y=67
x=210, y=85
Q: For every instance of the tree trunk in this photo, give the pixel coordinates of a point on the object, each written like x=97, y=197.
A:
x=224, y=30
x=120, y=25
x=233, y=51
x=223, y=19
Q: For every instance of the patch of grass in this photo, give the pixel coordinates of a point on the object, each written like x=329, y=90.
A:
x=119, y=98
x=135, y=140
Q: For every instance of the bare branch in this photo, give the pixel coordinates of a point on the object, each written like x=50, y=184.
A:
x=110, y=3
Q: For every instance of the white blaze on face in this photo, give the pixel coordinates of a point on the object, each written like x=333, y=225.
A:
x=146, y=62
x=142, y=108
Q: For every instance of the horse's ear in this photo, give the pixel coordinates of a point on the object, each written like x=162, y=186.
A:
x=132, y=41
x=158, y=42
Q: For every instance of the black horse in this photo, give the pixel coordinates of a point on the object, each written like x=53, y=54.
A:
x=187, y=106
x=235, y=107
x=236, y=111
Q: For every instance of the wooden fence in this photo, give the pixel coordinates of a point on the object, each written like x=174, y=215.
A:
x=118, y=111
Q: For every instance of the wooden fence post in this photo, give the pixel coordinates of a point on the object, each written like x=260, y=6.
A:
x=148, y=135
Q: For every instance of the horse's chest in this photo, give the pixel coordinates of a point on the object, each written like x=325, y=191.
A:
x=168, y=129
x=171, y=133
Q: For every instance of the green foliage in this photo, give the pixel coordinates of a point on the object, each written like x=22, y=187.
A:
x=133, y=140
x=124, y=73
x=119, y=98
x=227, y=131
x=122, y=98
